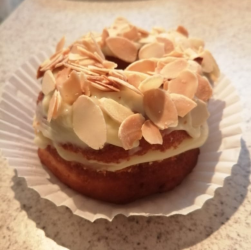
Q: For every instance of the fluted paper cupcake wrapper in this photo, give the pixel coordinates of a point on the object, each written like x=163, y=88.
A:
x=216, y=159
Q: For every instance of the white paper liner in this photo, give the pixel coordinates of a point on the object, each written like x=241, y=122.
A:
x=215, y=163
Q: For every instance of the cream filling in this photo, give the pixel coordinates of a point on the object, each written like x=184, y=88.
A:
x=150, y=156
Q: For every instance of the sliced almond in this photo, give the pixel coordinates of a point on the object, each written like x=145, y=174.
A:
x=100, y=87
x=109, y=64
x=115, y=110
x=130, y=130
x=125, y=84
x=143, y=66
x=54, y=105
x=48, y=83
x=169, y=47
x=131, y=34
x=196, y=43
x=183, y=104
x=152, y=82
x=185, y=84
x=88, y=122
x=70, y=90
x=123, y=48
x=182, y=30
x=160, y=108
x=60, y=44
x=152, y=50
x=151, y=133
x=199, y=114
x=173, y=69
x=135, y=78
x=194, y=67
x=62, y=76
x=204, y=90
x=84, y=84
x=209, y=65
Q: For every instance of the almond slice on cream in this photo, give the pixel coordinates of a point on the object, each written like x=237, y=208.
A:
x=160, y=108
x=60, y=44
x=151, y=133
x=143, y=66
x=196, y=43
x=185, y=84
x=48, y=82
x=123, y=48
x=199, y=114
x=54, y=105
x=130, y=130
x=84, y=84
x=183, y=104
x=204, y=90
x=70, y=90
x=115, y=110
x=152, y=50
x=124, y=83
x=209, y=65
x=182, y=30
x=168, y=44
x=88, y=122
x=135, y=78
x=152, y=82
x=173, y=69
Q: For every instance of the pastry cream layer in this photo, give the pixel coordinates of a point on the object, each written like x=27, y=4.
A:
x=60, y=131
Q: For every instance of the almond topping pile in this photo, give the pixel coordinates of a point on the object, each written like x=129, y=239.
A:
x=163, y=81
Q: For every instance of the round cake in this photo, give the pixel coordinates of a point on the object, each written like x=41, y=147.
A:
x=122, y=114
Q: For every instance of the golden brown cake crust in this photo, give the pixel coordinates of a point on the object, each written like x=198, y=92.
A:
x=125, y=185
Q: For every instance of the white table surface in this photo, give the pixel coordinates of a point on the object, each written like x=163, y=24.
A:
x=29, y=222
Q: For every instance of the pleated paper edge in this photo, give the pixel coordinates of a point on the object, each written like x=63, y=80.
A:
x=125, y=210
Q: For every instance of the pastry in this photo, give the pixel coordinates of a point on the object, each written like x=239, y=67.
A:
x=121, y=115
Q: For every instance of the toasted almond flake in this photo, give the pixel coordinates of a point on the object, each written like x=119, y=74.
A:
x=98, y=57
x=199, y=114
x=62, y=62
x=60, y=44
x=88, y=122
x=70, y=90
x=135, y=78
x=158, y=30
x=118, y=73
x=209, y=65
x=185, y=84
x=143, y=31
x=109, y=65
x=48, y=83
x=142, y=66
x=183, y=104
x=100, y=87
x=87, y=53
x=45, y=63
x=53, y=62
x=130, y=130
x=62, y=76
x=160, y=108
x=152, y=82
x=124, y=83
x=196, y=43
x=79, y=68
x=173, y=69
x=175, y=53
x=204, y=90
x=84, y=84
x=54, y=105
x=115, y=110
x=168, y=44
x=151, y=133
x=122, y=48
x=86, y=62
x=75, y=57
x=152, y=50
x=191, y=54
x=182, y=30
x=97, y=48
x=131, y=34
x=148, y=39
x=194, y=67
x=105, y=34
